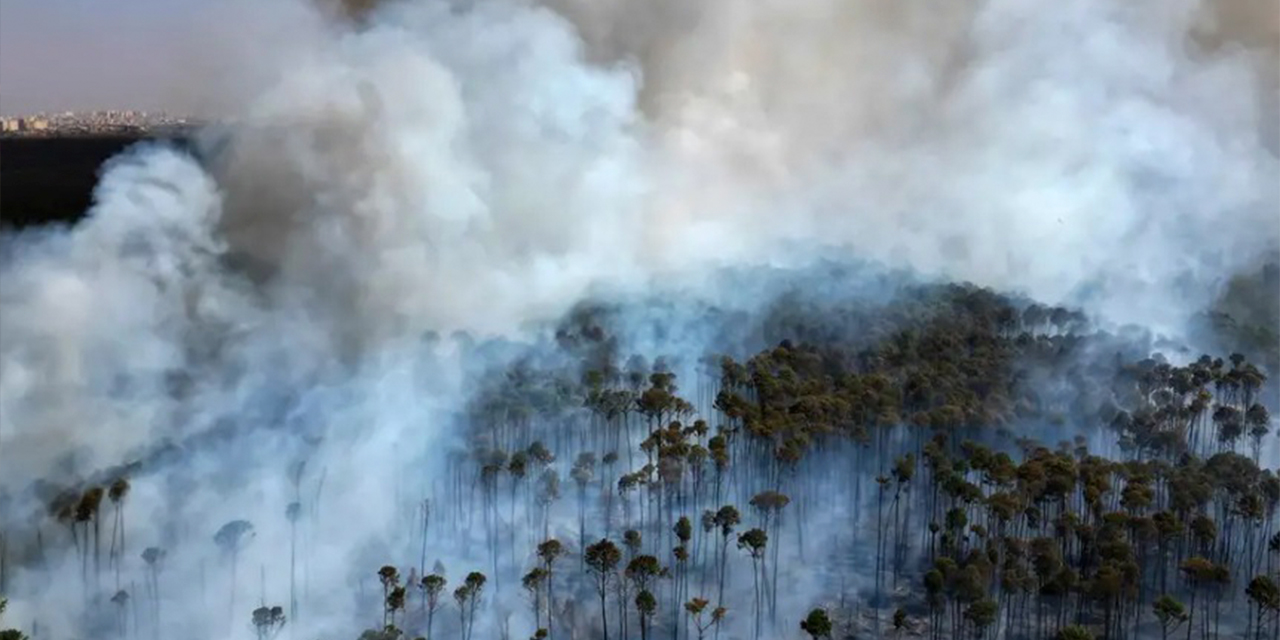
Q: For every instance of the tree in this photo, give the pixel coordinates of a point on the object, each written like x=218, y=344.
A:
x=1265, y=595
x=116, y=494
x=696, y=607
x=293, y=513
x=641, y=571
x=9, y=634
x=754, y=541
x=534, y=582
x=684, y=533
x=389, y=576
x=1201, y=575
x=1170, y=613
x=550, y=551
x=632, y=540
x=1073, y=632
x=396, y=601
x=981, y=614
x=463, y=596
x=646, y=606
x=467, y=597
x=229, y=539
x=121, y=600
x=548, y=493
x=817, y=624
x=583, y=473
x=268, y=621
x=726, y=518
x=154, y=559
x=87, y=512
x=602, y=561
x=432, y=586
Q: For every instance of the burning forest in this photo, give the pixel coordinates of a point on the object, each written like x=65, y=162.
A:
x=722, y=320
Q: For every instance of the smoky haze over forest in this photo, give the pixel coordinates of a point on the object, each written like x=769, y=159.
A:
x=434, y=238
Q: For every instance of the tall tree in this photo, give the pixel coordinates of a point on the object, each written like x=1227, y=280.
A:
x=534, y=582
x=1170, y=613
x=292, y=513
x=1265, y=595
x=696, y=607
x=389, y=577
x=432, y=586
x=549, y=551
x=116, y=494
x=726, y=518
x=754, y=542
x=602, y=561
x=230, y=538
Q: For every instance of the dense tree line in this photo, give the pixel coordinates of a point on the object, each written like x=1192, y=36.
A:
x=995, y=469
x=977, y=527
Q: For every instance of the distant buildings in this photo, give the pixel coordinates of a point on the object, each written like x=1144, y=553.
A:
x=94, y=122
x=21, y=125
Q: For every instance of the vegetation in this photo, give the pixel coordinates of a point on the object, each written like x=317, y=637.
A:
x=9, y=634
x=1025, y=478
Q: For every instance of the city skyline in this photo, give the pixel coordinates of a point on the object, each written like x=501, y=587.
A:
x=70, y=123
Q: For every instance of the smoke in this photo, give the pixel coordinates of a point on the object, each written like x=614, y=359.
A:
x=481, y=167
x=967, y=143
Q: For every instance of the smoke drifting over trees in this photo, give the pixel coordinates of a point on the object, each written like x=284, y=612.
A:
x=599, y=319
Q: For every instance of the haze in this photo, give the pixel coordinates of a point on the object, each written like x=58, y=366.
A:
x=420, y=295
x=66, y=55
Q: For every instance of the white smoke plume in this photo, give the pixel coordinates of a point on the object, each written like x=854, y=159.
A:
x=482, y=166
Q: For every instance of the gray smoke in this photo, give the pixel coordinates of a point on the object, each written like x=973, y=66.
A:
x=482, y=166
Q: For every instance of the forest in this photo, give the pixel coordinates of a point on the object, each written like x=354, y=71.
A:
x=610, y=320
x=941, y=462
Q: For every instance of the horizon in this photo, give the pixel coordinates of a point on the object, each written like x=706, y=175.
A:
x=85, y=112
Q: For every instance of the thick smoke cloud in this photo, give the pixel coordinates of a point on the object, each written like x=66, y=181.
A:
x=1090, y=154
x=481, y=167
x=1117, y=155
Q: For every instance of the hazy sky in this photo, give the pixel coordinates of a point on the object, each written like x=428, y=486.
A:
x=82, y=54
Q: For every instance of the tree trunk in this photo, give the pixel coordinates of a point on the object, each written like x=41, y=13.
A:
x=755, y=582
x=1258, y=633
x=551, y=603
x=293, y=571
x=231, y=607
x=604, y=614
x=1191, y=613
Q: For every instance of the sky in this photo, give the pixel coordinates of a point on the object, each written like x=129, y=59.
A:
x=77, y=54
